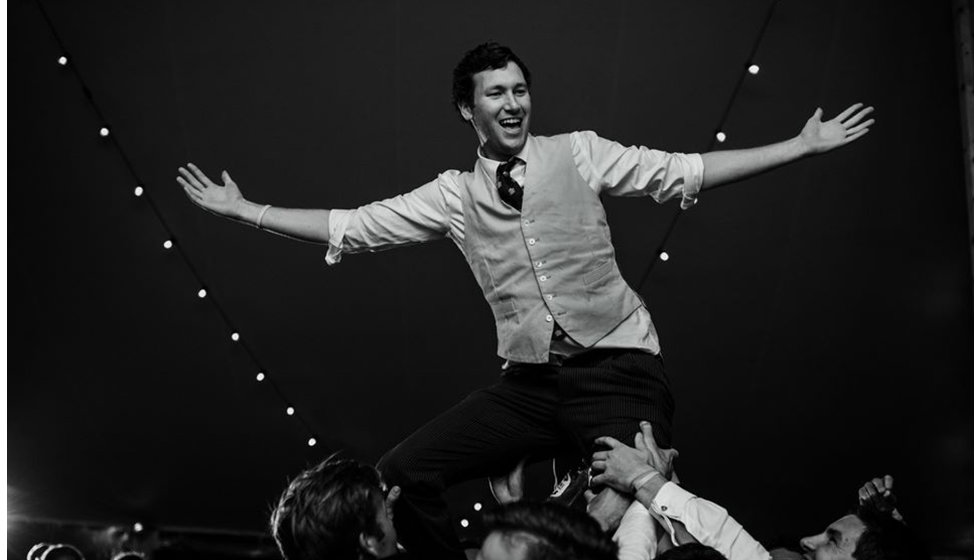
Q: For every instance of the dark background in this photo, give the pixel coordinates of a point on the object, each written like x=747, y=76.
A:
x=816, y=321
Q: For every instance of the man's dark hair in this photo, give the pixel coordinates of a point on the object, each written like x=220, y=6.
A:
x=551, y=532
x=691, y=551
x=324, y=510
x=885, y=538
x=488, y=56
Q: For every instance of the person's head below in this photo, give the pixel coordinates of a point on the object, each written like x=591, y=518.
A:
x=492, y=92
x=864, y=535
x=544, y=531
x=691, y=551
x=334, y=510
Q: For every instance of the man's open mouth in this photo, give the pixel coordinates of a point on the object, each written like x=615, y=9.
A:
x=512, y=124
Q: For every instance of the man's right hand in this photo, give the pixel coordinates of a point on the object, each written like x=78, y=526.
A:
x=660, y=459
x=224, y=200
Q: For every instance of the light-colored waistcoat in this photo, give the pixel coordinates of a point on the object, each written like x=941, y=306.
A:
x=551, y=263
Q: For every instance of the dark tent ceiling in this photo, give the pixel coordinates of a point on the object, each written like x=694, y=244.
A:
x=816, y=321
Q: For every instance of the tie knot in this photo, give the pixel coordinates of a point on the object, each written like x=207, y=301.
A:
x=504, y=169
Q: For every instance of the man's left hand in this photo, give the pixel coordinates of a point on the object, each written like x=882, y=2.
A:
x=509, y=488
x=607, y=507
x=821, y=136
x=390, y=500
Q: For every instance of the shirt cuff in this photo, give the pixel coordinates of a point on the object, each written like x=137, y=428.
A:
x=670, y=500
x=338, y=228
x=668, y=504
x=690, y=190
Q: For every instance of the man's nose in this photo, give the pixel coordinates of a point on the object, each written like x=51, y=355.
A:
x=510, y=103
x=810, y=543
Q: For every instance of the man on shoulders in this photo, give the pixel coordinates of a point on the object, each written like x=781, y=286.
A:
x=582, y=356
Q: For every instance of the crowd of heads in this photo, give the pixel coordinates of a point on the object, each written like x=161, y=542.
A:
x=339, y=509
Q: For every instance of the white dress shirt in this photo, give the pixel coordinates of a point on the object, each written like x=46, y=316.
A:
x=707, y=522
x=434, y=211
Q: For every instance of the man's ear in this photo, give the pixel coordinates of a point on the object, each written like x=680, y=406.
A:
x=467, y=112
x=369, y=545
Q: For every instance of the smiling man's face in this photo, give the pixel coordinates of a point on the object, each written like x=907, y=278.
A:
x=501, y=111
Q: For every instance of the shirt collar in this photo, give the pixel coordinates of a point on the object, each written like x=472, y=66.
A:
x=490, y=165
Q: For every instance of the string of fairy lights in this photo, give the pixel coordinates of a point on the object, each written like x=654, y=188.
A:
x=170, y=244
x=751, y=69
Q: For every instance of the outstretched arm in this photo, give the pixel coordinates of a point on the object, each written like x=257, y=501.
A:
x=226, y=200
x=817, y=137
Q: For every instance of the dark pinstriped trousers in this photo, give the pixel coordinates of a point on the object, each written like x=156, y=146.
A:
x=533, y=409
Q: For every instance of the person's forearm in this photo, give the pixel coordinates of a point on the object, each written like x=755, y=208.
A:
x=311, y=225
x=728, y=166
x=645, y=495
x=703, y=521
x=649, y=490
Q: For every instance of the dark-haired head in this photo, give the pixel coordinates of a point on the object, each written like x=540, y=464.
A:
x=545, y=531
x=885, y=538
x=488, y=56
x=866, y=534
x=333, y=510
x=691, y=551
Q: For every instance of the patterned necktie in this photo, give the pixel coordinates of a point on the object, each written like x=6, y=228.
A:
x=510, y=192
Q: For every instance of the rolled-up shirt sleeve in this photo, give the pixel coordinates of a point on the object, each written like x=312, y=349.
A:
x=414, y=217
x=617, y=170
x=707, y=522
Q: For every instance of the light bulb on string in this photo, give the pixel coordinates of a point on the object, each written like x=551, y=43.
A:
x=477, y=506
x=63, y=60
x=234, y=336
x=138, y=191
x=138, y=527
x=202, y=293
x=664, y=256
x=311, y=442
x=720, y=136
x=104, y=132
x=754, y=69
x=259, y=376
x=290, y=410
x=464, y=522
x=168, y=244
